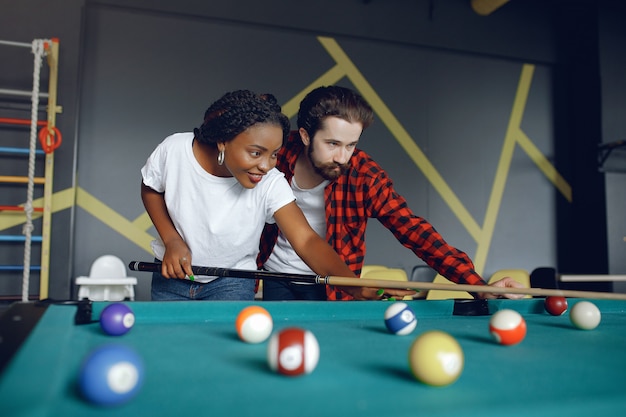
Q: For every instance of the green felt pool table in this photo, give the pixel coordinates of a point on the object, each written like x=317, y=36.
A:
x=196, y=365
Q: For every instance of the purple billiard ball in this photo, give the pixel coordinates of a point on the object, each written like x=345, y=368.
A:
x=117, y=319
x=111, y=375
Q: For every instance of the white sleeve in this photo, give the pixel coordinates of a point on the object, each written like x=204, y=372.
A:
x=279, y=194
x=152, y=171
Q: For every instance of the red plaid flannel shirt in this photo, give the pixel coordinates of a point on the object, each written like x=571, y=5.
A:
x=364, y=192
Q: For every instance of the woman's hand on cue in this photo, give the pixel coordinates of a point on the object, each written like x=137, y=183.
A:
x=506, y=282
x=177, y=260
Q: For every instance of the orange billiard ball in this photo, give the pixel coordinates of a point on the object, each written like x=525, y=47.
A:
x=507, y=327
x=254, y=324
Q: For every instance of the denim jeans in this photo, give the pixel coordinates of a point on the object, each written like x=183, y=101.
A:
x=173, y=289
x=284, y=290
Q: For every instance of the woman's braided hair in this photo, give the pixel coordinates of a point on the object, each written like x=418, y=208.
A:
x=235, y=112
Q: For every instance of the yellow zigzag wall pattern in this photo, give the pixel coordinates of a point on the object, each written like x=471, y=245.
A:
x=136, y=230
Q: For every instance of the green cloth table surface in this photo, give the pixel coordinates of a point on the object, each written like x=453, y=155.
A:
x=196, y=365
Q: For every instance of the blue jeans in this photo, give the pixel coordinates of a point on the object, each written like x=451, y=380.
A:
x=274, y=290
x=173, y=289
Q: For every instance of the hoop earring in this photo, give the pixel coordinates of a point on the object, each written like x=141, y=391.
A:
x=220, y=158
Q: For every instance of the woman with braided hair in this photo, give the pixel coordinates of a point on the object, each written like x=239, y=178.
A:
x=209, y=193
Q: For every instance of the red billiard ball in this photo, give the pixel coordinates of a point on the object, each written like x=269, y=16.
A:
x=117, y=319
x=507, y=327
x=555, y=305
x=293, y=351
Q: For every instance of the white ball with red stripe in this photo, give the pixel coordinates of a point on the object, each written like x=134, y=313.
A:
x=293, y=351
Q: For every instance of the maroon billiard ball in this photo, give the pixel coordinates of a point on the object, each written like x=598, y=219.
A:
x=555, y=305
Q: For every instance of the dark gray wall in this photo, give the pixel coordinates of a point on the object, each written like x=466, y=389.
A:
x=135, y=71
x=613, y=67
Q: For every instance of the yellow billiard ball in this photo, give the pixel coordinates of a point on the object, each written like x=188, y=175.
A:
x=436, y=358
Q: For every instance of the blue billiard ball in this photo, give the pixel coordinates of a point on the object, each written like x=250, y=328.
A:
x=111, y=375
x=117, y=319
x=400, y=319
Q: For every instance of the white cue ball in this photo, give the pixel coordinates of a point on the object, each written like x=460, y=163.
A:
x=585, y=315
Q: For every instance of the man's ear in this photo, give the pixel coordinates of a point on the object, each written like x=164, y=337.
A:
x=304, y=136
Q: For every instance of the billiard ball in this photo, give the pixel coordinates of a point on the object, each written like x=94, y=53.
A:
x=400, y=319
x=254, y=324
x=436, y=358
x=117, y=319
x=293, y=351
x=507, y=327
x=555, y=305
x=111, y=375
x=585, y=315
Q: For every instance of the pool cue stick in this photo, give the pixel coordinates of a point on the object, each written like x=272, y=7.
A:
x=381, y=283
x=232, y=273
x=426, y=286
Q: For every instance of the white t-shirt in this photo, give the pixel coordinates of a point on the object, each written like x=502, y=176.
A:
x=284, y=258
x=219, y=219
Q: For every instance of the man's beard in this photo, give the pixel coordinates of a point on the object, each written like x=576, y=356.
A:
x=330, y=171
